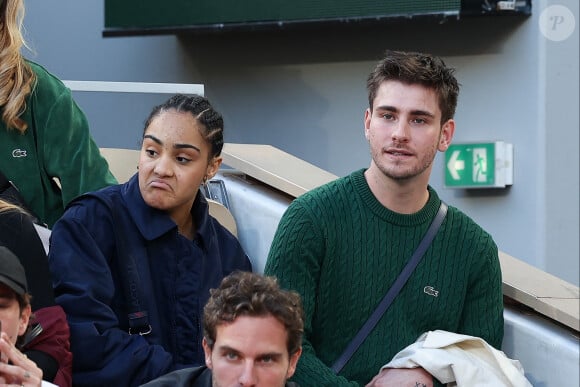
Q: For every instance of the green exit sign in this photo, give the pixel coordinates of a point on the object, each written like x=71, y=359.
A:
x=479, y=165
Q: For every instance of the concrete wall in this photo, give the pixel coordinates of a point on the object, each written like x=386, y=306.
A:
x=304, y=92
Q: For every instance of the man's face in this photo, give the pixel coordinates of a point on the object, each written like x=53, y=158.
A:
x=14, y=323
x=251, y=351
x=404, y=130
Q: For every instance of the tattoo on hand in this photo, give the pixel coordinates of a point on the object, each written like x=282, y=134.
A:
x=417, y=384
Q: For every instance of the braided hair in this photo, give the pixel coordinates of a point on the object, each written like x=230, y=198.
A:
x=211, y=121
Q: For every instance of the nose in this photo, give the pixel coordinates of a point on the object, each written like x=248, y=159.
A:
x=163, y=166
x=400, y=131
x=248, y=376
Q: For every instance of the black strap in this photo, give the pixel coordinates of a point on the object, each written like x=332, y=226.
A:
x=132, y=286
x=128, y=271
x=393, y=291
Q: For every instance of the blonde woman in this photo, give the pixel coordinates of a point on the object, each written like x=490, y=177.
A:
x=44, y=135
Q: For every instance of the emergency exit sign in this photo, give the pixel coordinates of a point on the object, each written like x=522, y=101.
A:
x=479, y=165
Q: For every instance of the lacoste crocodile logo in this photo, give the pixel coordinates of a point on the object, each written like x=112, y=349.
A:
x=430, y=290
x=18, y=153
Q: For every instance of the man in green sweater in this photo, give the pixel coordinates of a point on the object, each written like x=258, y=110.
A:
x=342, y=245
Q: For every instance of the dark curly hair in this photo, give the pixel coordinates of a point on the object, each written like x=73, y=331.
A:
x=251, y=294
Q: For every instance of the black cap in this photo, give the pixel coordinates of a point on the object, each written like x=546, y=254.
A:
x=11, y=272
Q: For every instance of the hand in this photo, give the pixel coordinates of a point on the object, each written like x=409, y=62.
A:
x=21, y=371
x=402, y=377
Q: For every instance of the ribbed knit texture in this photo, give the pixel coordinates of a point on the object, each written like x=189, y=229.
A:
x=342, y=250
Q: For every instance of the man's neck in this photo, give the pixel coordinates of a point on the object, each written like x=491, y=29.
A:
x=401, y=196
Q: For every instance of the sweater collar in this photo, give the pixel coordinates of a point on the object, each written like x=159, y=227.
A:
x=424, y=215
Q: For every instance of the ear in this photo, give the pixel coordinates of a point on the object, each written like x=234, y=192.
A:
x=368, y=115
x=293, y=362
x=207, y=351
x=213, y=167
x=24, y=319
x=447, y=131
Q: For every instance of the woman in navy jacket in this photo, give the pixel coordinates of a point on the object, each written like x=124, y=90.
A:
x=132, y=264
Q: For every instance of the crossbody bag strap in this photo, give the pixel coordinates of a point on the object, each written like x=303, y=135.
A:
x=132, y=284
x=133, y=288
x=393, y=291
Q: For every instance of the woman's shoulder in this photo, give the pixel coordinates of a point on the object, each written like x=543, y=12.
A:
x=108, y=199
x=43, y=74
x=47, y=84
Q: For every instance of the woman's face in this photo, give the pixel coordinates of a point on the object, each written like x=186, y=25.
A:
x=174, y=162
x=14, y=322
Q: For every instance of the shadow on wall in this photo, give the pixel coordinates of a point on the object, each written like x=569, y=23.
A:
x=351, y=42
x=264, y=104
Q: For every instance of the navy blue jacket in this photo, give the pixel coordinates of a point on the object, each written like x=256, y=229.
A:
x=175, y=277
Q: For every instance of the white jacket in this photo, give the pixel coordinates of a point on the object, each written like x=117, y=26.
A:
x=461, y=360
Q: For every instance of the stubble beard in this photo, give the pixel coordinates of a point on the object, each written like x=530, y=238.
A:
x=398, y=172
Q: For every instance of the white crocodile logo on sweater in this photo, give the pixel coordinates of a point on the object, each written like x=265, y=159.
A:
x=430, y=290
x=19, y=153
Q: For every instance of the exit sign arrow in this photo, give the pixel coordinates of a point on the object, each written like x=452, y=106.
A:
x=455, y=165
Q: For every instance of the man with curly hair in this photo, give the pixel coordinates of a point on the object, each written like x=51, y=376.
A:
x=252, y=336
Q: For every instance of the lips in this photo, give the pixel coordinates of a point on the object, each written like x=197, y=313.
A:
x=160, y=184
x=398, y=152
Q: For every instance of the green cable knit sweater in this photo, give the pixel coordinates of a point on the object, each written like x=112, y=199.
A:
x=341, y=250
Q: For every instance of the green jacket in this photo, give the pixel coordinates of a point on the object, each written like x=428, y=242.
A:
x=56, y=145
x=342, y=250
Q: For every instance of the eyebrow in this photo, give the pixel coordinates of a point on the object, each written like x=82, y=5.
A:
x=413, y=112
x=176, y=146
x=227, y=348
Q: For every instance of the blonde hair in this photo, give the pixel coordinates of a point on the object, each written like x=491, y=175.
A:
x=16, y=77
x=7, y=206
